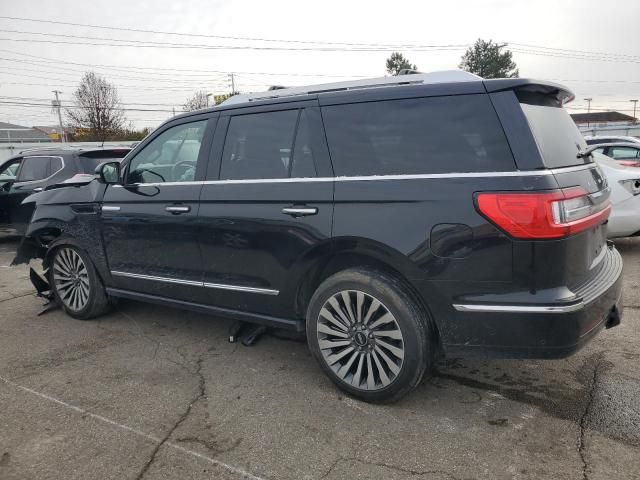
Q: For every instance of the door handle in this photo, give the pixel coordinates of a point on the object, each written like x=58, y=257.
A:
x=178, y=209
x=38, y=189
x=300, y=211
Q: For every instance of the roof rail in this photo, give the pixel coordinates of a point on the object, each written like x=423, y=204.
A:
x=445, y=76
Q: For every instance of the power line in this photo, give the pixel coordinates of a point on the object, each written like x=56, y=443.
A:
x=137, y=30
x=29, y=104
x=184, y=46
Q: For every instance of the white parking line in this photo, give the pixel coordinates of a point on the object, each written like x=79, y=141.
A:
x=135, y=431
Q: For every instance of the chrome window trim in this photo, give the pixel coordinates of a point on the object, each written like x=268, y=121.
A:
x=26, y=182
x=515, y=173
x=421, y=176
x=519, y=308
x=221, y=286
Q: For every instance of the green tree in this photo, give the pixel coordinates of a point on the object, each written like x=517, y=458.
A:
x=488, y=60
x=397, y=62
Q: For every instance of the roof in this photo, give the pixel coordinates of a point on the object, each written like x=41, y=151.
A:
x=447, y=76
x=450, y=82
x=12, y=133
x=69, y=149
x=601, y=117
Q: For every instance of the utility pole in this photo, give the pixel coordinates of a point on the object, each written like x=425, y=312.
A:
x=56, y=105
x=635, y=103
x=174, y=111
x=233, y=83
x=588, y=100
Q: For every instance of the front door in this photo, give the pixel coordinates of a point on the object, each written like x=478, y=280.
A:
x=268, y=211
x=150, y=222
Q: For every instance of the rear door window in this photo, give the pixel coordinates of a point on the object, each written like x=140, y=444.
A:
x=38, y=168
x=623, y=152
x=259, y=145
x=417, y=136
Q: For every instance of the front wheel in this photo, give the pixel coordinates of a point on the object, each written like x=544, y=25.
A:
x=75, y=283
x=369, y=335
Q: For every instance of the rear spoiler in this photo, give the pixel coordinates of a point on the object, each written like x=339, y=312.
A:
x=559, y=93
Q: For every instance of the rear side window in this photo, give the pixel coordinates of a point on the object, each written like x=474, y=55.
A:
x=556, y=134
x=259, y=145
x=623, y=152
x=38, y=168
x=417, y=136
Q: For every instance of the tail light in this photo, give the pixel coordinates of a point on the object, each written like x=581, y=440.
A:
x=628, y=163
x=540, y=215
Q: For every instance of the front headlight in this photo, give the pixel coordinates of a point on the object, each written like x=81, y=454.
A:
x=632, y=186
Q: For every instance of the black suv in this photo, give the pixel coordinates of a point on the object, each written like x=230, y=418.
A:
x=35, y=169
x=393, y=222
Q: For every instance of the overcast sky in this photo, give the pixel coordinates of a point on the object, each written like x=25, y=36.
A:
x=590, y=46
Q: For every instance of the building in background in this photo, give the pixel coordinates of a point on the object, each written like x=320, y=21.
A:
x=10, y=133
x=603, y=119
x=607, y=123
x=54, y=132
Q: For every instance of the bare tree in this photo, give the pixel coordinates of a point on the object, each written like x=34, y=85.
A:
x=197, y=101
x=97, y=107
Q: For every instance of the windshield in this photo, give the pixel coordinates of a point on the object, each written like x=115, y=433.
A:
x=557, y=136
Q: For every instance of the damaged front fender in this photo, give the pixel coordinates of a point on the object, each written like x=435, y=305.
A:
x=67, y=215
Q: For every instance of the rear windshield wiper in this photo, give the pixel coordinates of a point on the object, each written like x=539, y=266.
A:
x=587, y=152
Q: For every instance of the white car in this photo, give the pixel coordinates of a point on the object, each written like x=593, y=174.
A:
x=591, y=140
x=625, y=197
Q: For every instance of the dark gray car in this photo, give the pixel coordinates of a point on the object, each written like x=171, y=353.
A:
x=34, y=170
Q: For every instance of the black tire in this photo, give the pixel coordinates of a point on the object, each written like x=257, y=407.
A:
x=411, y=350
x=66, y=272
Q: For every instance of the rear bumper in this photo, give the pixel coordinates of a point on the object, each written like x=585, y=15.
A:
x=534, y=330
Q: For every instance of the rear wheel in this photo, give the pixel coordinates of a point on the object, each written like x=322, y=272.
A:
x=369, y=335
x=75, y=283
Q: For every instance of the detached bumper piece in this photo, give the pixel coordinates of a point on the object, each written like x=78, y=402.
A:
x=247, y=333
x=43, y=290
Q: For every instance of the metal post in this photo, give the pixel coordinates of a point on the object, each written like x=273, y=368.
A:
x=233, y=83
x=57, y=107
x=635, y=103
x=588, y=100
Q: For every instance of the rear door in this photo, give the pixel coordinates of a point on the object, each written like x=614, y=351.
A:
x=149, y=223
x=34, y=174
x=266, y=207
x=8, y=173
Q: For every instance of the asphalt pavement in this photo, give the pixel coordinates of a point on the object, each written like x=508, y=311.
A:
x=155, y=393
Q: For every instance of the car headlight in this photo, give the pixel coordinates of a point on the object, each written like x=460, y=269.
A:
x=632, y=186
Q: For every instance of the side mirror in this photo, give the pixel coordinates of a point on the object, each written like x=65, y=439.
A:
x=108, y=173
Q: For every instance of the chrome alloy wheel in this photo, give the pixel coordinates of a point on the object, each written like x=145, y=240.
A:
x=360, y=340
x=71, y=279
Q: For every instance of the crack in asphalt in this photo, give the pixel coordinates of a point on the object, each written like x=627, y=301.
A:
x=14, y=297
x=583, y=419
x=408, y=471
x=200, y=394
